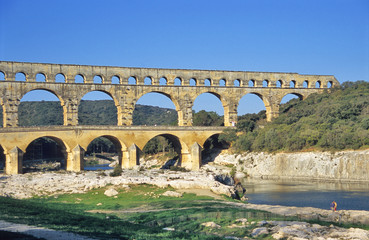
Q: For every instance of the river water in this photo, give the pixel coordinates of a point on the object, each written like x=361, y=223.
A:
x=349, y=196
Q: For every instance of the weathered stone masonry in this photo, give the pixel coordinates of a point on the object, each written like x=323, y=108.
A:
x=270, y=87
x=126, y=95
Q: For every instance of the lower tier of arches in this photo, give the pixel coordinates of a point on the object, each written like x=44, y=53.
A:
x=128, y=141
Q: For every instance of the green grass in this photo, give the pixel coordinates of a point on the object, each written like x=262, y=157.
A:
x=96, y=215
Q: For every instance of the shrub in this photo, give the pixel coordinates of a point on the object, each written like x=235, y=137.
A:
x=117, y=171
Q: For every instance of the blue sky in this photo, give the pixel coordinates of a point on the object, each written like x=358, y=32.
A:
x=304, y=36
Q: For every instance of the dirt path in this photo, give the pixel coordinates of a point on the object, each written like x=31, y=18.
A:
x=41, y=232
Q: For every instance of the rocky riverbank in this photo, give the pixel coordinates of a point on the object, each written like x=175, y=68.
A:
x=344, y=166
x=54, y=183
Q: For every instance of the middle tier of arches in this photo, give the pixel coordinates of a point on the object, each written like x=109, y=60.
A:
x=126, y=97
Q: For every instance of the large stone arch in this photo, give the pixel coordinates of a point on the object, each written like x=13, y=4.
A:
x=257, y=95
x=35, y=88
x=179, y=146
x=55, y=138
x=168, y=94
x=222, y=98
x=271, y=106
x=299, y=95
x=113, y=95
x=120, y=146
x=64, y=148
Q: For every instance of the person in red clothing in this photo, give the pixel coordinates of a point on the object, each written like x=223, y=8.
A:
x=334, y=206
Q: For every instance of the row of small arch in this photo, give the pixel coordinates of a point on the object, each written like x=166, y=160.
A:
x=98, y=79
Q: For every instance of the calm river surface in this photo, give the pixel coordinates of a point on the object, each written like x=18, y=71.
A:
x=349, y=196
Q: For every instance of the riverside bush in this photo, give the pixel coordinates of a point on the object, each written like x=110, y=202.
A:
x=329, y=121
x=117, y=171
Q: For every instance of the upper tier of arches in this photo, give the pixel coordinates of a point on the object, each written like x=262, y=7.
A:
x=83, y=74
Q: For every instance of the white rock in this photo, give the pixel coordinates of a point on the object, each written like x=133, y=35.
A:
x=211, y=225
x=172, y=194
x=111, y=192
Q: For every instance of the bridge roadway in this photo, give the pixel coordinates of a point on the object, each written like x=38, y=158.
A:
x=128, y=140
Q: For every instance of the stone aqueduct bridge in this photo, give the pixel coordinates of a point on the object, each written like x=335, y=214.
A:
x=181, y=86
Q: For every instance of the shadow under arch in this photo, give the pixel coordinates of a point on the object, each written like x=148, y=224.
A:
x=48, y=108
x=98, y=108
x=104, y=147
x=168, y=115
x=212, y=147
x=169, y=146
x=2, y=160
x=45, y=153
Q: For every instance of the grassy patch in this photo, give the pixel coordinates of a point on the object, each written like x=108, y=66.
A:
x=138, y=212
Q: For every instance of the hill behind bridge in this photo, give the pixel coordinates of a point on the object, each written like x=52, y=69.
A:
x=330, y=121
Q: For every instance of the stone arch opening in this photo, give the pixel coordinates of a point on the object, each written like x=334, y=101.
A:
x=293, y=84
x=207, y=82
x=40, y=77
x=97, y=79
x=103, y=152
x=329, y=84
x=2, y=160
x=279, y=84
x=132, y=80
x=208, y=110
x=162, y=151
x=156, y=108
x=251, y=103
x=305, y=84
x=265, y=83
x=60, y=78
x=163, y=81
x=40, y=107
x=318, y=84
x=212, y=147
x=252, y=83
x=45, y=154
x=97, y=108
x=237, y=83
x=79, y=78
x=291, y=97
x=115, y=80
x=21, y=77
x=148, y=81
x=222, y=82
x=2, y=76
x=193, y=82
x=177, y=81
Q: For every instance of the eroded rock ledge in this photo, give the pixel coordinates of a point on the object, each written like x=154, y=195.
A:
x=345, y=166
x=52, y=183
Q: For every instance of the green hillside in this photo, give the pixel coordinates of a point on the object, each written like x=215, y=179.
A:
x=329, y=121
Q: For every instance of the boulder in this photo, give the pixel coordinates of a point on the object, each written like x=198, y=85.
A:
x=211, y=225
x=111, y=192
x=172, y=194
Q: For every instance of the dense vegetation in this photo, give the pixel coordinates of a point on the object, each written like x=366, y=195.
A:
x=329, y=121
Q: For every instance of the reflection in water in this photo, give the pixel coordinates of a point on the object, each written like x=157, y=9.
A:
x=354, y=196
